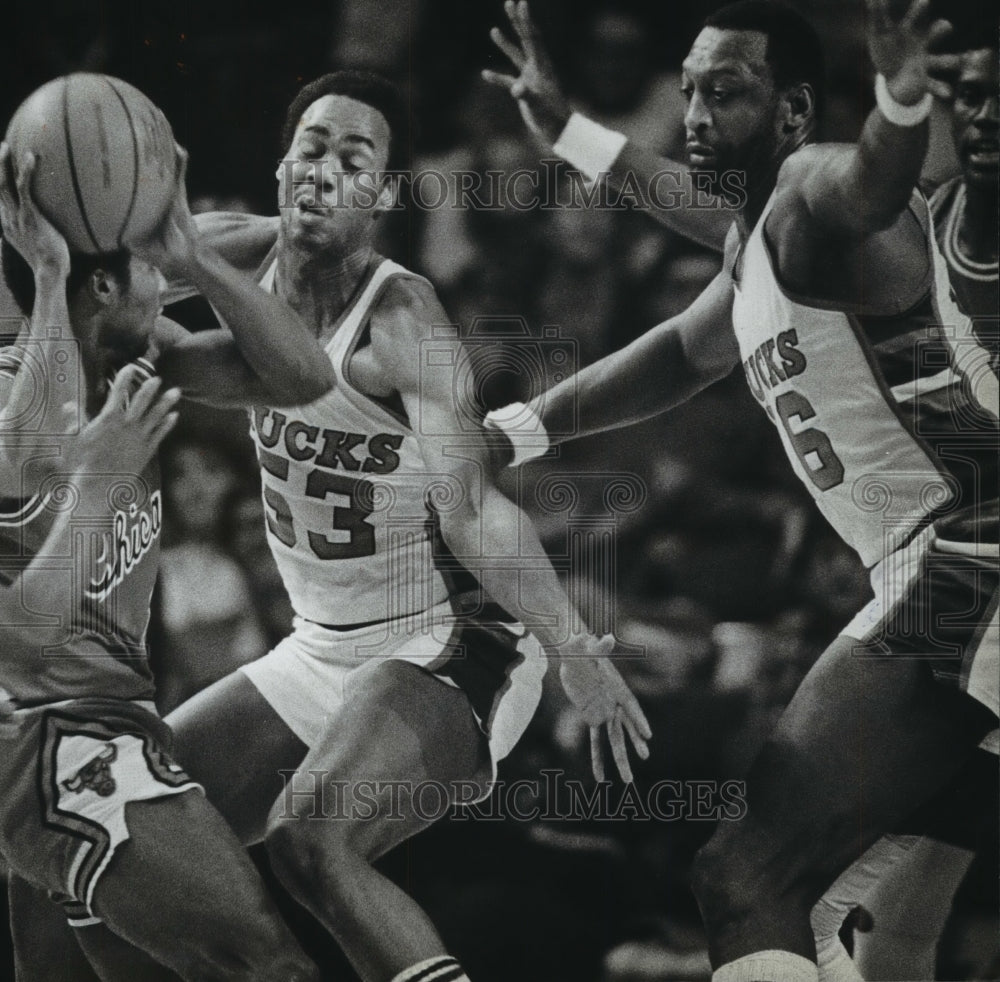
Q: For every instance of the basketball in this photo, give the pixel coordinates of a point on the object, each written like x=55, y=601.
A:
x=105, y=159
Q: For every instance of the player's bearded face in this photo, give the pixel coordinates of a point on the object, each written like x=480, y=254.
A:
x=330, y=184
x=975, y=117
x=730, y=120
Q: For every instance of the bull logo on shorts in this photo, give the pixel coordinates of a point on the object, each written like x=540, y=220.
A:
x=96, y=775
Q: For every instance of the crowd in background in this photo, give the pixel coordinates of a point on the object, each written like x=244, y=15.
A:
x=722, y=571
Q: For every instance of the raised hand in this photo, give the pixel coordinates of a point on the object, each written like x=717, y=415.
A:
x=24, y=226
x=605, y=702
x=128, y=431
x=172, y=246
x=900, y=49
x=536, y=87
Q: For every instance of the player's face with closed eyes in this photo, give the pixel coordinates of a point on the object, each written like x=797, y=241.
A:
x=330, y=184
x=731, y=102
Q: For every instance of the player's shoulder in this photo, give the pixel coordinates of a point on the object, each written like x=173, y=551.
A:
x=409, y=301
x=798, y=166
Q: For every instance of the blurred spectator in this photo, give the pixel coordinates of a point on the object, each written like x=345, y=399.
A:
x=209, y=624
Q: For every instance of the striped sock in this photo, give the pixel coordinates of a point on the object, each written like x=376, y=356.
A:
x=441, y=968
x=768, y=966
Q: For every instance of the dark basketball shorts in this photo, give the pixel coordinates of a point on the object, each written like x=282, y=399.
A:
x=936, y=600
x=68, y=771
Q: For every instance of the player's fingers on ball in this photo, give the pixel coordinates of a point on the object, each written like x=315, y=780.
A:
x=596, y=757
x=6, y=167
x=182, y=162
x=22, y=176
x=507, y=47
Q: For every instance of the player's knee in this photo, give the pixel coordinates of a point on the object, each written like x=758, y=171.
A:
x=306, y=861
x=715, y=888
x=732, y=881
x=724, y=881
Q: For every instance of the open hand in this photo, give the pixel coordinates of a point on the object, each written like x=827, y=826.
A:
x=536, y=87
x=901, y=50
x=605, y=702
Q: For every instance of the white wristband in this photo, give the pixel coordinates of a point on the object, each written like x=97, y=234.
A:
x=896, y=112
x=524, y=429
x=591, y=148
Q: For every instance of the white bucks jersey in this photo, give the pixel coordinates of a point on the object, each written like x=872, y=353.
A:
x=875, y=410
x=345, y=492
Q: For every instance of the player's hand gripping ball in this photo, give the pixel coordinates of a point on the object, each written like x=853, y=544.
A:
x=105, y=159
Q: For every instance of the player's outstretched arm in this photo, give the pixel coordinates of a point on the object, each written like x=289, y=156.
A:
x=664, y=186
x=863, y=188
x=659, y=370
x=285, y=359
x=28, y=389
x=118, y=443
x=488, y=533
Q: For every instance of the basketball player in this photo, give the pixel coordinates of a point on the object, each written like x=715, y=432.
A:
x=409, y=672
x=889, y=419
x=965, y=208
x=906, y=883
x=95, y=810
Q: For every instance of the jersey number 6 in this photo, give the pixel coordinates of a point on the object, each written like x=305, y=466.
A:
x=808, y=441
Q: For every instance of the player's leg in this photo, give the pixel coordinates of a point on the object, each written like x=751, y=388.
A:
x=182, y=888
x=232, y=742
x=910, y=904
x=115, y=960
x=863, y=743
x=400, y=731
x=852, y=888
x=909, y=907
x=45, y=947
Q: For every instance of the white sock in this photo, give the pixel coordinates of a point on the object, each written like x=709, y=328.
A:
x=852, y=887
x=768, y=966
x=440, y=968
x=835, y=964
